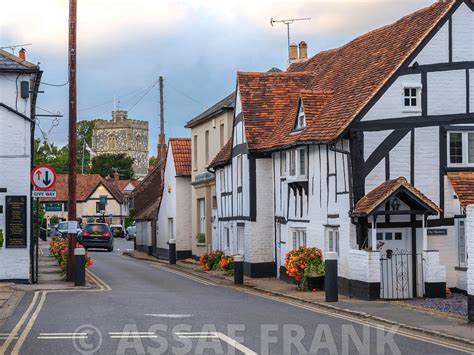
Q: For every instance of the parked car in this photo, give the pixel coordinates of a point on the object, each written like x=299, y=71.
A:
x=60, y=230
x=117, y=231
x=96, y=235
x=131, y=231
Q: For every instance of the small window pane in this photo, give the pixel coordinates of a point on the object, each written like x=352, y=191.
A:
x=455, y=148
x=413, y=102
x=302, y=153
x=379, y=236
x=470, y=148
x=398, y=236
x=407, y=92
x=413, y=92
x=388, y=236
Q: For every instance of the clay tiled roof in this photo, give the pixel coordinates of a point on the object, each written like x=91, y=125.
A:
x=10, y=62
x=463, y=185
x=148, y=193
x=223, y=157
x=371, y=201
x=122, y=184
x=265, y=99
x=85, y=186
x=181, y=148
x=354, y=73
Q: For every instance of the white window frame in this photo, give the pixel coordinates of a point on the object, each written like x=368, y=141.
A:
x=283, y=163
x=461, y=242
x=332, y=239
x=202, y=215
x=170, y=228
x=298, y=237
x=300, y=119
x=223, y=183
x=410, y=86
x=239, y=170
x=292, y=162
x=465, y=148
x=240, y=240
x=305, y=172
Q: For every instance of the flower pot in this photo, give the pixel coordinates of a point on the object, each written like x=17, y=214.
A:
x=315, y=283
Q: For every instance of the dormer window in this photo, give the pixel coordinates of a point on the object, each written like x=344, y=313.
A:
x=412, y=98
x=301, y=119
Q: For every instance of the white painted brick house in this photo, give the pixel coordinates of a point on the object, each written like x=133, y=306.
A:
x=368, y=150
x=174, y=214
x=19, y=82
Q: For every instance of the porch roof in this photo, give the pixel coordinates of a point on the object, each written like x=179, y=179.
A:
x=463, y=185
x=400, y=188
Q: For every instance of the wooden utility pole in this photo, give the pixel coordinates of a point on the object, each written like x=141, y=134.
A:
x=72, y=137
x=162, y=128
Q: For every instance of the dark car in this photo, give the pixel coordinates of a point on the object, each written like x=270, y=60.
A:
x=117, y=231
x=97, y=235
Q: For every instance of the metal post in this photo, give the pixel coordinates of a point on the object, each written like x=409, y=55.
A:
x=72, y=136
x=238, y=270
x=172, y=250
x=37, y=239
x=330, y=277
x=79, y=267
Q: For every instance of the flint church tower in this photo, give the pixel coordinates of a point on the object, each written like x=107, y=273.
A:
x=122, y=135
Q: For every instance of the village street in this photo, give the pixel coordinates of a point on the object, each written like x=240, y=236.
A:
x=151, y=310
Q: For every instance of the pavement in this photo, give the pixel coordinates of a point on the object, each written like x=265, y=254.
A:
x=426, y=320
x=147, y=307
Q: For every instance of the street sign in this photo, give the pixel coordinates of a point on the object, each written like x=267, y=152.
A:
x=43, y=177
x=44, y=194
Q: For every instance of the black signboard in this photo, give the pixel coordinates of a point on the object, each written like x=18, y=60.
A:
x=16, y=225
x=442, y=231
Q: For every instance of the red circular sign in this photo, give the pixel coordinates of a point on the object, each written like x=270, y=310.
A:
x=43, y=177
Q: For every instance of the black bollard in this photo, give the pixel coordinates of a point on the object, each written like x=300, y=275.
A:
x=330, y=277
x=172, y=249
x=238, y=269
x=79, y=267
x=470, y=308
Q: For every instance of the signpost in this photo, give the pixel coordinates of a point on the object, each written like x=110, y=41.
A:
x=43, y=178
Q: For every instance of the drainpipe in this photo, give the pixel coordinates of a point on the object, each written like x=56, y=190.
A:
x=333, y=148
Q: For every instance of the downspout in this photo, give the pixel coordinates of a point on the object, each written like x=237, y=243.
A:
x=333, y=148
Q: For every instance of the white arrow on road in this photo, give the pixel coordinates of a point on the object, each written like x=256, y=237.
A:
x=162, y=315
x=242, y=348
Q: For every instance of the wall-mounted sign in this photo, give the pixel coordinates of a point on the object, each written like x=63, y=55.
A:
x=53, y=206
x=442, y=231
x=15, y=218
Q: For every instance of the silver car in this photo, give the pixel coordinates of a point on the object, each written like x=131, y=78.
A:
x=131, y=232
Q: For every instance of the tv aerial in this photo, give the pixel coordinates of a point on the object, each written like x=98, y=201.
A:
x=288, y=22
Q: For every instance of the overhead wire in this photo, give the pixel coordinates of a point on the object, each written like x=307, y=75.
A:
x=186, y=95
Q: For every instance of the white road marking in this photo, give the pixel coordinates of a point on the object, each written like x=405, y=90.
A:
x=235, y=344
x=123, y=333
x=63, y=337
x=46, y=334
x=169, y=315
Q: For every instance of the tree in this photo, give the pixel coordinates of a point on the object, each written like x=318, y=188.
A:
x=108, y=164
x=51, y=155
x=152, y=161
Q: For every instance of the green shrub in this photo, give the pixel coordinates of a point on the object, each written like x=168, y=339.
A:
x=1, y=238
x=201, y=238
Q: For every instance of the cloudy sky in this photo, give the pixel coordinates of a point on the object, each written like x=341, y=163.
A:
x=196, y=45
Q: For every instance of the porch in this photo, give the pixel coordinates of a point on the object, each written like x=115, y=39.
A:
x=395, y=257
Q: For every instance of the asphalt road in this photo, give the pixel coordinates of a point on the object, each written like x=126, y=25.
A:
x=150, y=310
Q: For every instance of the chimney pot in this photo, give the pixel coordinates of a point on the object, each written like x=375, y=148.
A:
x=22, y=54
x=303, y=49
x=116, y=176
x=293, y=52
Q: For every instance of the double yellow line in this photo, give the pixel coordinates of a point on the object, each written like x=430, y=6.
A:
x=34, y=309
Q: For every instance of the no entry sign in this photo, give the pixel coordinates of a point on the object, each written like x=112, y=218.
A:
x=43, y=177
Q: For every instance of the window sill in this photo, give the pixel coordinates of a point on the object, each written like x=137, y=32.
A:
x=414, y=110
x=200, y=244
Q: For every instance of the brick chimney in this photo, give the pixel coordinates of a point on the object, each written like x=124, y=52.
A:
x=293, y=52
x=22, y=54
x=116, y=176
x=303, y=50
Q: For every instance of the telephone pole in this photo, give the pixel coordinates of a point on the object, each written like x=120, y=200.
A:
x=72, y=138
x=162, y=128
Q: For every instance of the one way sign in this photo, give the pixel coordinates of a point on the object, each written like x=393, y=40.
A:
x=43, y=177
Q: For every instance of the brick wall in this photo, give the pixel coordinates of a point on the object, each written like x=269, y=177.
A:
x=364, y=266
